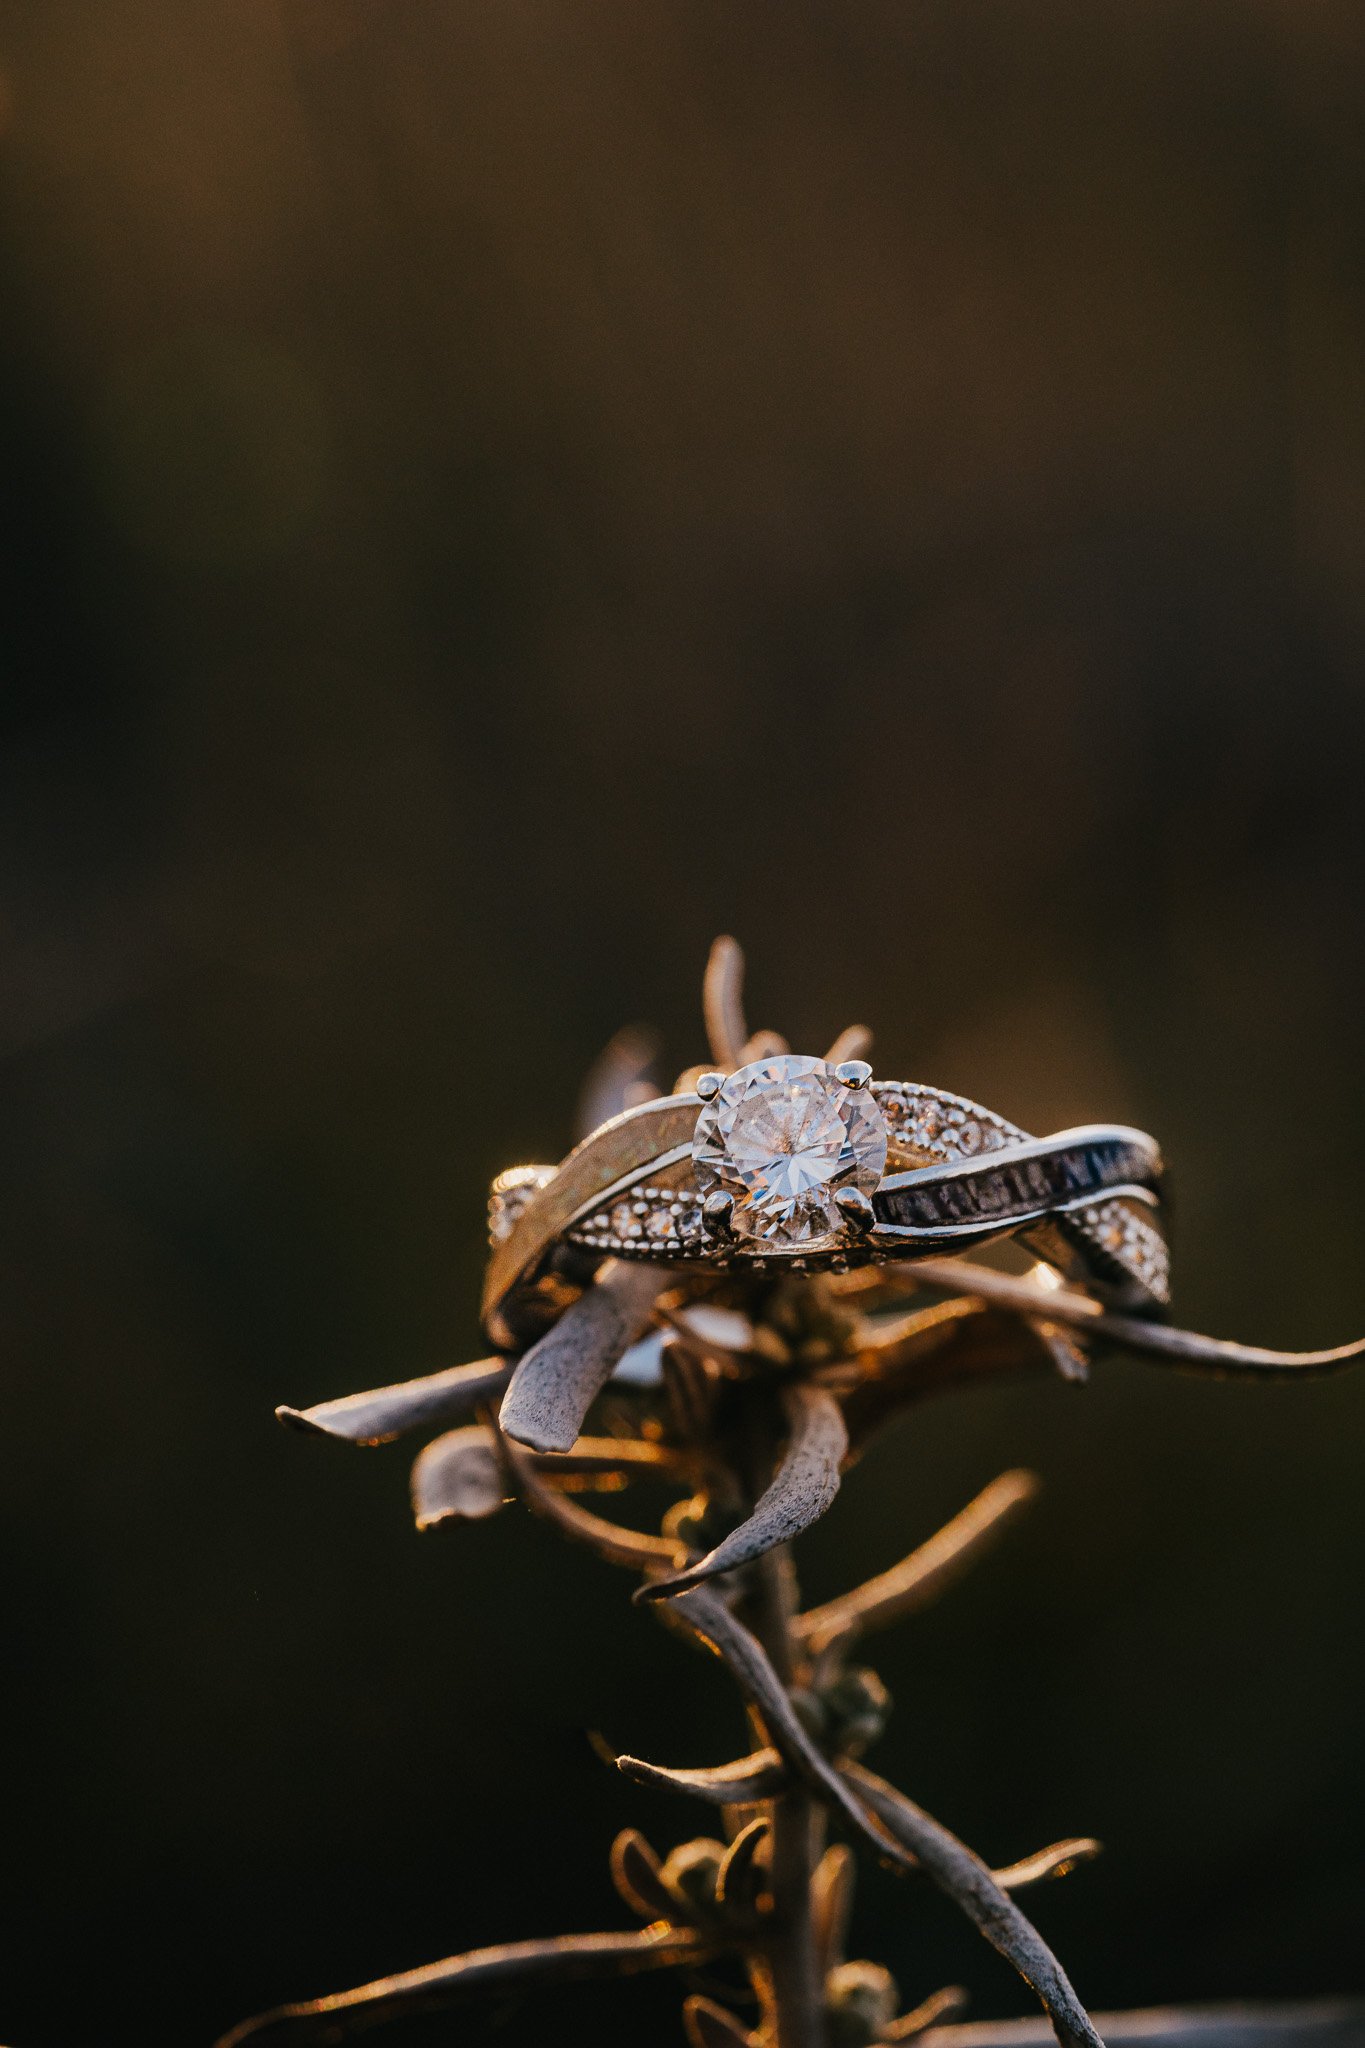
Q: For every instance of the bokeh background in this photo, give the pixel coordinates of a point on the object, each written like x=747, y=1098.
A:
x=496, y=494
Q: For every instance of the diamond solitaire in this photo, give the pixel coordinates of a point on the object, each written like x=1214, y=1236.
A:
x=784, y=1138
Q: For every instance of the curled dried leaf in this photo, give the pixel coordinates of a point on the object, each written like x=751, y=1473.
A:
x=802, y=1488
x=384, y=1413
x=831, y=1901
x=745, y=1782
x=636, y=1873
x=921, y=1576
x=437, y=1985
x=960, y=1873
x=458, y=1478
x=561, y=1375
x=740, y=1877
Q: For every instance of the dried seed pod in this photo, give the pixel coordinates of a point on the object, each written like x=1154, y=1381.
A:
x=692, y=1875
x=860, y=2001
x=856, y=1705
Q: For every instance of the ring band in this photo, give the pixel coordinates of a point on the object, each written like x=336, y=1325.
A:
x=955, y=1175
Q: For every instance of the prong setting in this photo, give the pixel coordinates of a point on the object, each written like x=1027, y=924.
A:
x=856, y=1209
x=709, y=1085
x=853, y=1073
x=717, y=1213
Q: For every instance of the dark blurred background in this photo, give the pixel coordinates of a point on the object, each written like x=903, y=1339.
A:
x=496, y=494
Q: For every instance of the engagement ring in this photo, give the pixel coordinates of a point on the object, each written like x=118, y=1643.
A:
x=791, y=1163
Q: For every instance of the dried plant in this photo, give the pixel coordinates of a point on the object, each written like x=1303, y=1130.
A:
x=752, y=1396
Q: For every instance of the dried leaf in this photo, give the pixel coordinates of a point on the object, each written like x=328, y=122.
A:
x=708, y=2025
x=722, y=1003
x=619, y=1078
x=802, y=1488
x=853, y=1043
x=709, y=1618
x=386, y=1412
x=762, y=1045
x=557, y=1381
x=930, y=2012
x=1209, y=1355
x=1054, y=1861
x=458, y=1478
x=635, y=1872
x=831, y=1904
x=960, y=1872
x=740, y=1878
x=921, y=1576
x=745, y=1782
x=438, y=1985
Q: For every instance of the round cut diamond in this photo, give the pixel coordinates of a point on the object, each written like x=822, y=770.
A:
x=784, y=1137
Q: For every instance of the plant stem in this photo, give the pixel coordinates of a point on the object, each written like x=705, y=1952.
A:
x=793, y=1993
